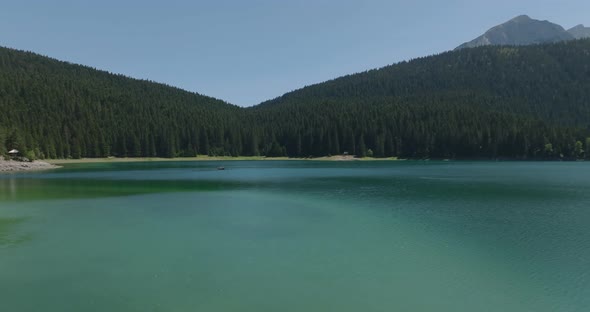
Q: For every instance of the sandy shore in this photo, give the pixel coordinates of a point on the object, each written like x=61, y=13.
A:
x=15, y=166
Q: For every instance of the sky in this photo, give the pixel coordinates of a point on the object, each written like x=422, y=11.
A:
x=248, y=51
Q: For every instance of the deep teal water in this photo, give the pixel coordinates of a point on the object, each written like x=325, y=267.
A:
x=297, y=236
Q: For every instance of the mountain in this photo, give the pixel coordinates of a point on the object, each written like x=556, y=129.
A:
x=521, y=30
x=493, y=102
x=580, y=32
x=486, y=102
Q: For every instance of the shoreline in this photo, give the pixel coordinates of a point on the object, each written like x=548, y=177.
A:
x=59, y=162
x=207, y=158
x=11, y=166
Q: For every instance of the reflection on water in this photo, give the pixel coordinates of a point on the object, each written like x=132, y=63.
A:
x=8, y=188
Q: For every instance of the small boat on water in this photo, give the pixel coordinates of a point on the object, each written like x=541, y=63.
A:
x=220, y=168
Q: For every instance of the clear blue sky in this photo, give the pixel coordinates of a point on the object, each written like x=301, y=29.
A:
x=247, y=51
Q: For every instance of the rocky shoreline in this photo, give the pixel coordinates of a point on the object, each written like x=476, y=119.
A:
x=16, y=166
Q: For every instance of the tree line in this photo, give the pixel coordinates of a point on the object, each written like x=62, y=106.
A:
x=489, y=102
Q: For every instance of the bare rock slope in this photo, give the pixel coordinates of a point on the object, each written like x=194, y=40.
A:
x=523, y=30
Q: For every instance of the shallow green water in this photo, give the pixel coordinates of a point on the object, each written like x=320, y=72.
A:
x=297, y=236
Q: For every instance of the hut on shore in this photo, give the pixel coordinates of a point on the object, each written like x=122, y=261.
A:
x=13, y=153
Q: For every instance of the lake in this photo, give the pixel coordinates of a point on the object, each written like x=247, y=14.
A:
x=297, y=236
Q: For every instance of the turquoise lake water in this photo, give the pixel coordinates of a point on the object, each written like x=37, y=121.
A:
x=297, y=236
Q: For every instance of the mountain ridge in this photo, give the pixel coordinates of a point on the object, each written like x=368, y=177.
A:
x=524, y=30
x=579, y=31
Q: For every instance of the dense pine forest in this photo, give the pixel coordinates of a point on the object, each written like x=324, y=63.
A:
x=528, y=102
x=58, y=110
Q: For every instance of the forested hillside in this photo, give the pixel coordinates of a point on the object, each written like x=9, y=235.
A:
x=514, y=102
x=489, y=102
x=59, y=110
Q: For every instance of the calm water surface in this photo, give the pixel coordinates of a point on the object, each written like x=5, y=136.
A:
x=297, y=236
